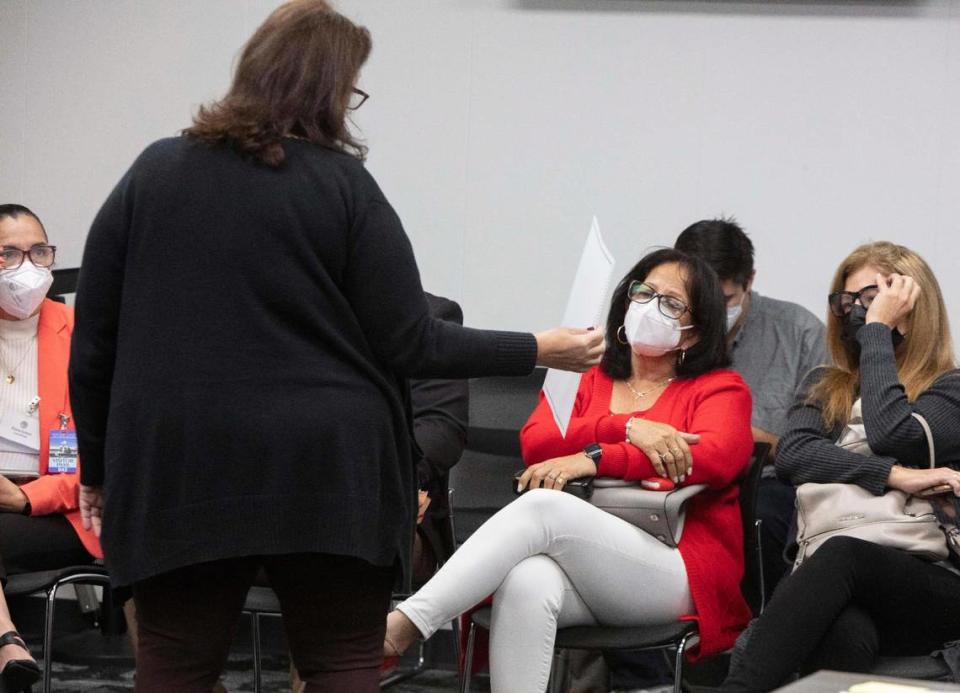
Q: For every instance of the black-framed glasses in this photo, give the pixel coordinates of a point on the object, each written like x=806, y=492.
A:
x=841, y=302
x=41, y=255
x=669, y=306
x=357, y=99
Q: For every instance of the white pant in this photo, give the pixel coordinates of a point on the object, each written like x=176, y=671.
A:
x=552, y=560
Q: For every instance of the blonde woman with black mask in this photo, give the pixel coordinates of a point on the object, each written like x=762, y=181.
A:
x=853, y=600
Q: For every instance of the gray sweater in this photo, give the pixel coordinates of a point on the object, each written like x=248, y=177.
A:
x=807, y=452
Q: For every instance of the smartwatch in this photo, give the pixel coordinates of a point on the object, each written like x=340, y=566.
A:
x=594, y=452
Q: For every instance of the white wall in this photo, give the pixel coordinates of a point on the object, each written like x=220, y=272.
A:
x=498, y=127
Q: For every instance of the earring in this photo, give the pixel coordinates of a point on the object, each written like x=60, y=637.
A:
x=622, y=340
x=681, y=357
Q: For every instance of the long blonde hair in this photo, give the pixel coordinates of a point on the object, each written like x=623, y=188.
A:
x=925, y=354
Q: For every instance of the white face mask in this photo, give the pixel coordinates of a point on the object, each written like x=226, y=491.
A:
x=650, y=332
x=733, y=314
x=23, y=289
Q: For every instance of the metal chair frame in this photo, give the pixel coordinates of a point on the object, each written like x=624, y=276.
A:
x=86, y=575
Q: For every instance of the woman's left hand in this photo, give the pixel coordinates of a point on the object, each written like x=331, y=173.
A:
x=555, y=473
x=91, y=507
x=896, y=298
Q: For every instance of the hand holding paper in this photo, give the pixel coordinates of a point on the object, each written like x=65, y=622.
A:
x=569, y=349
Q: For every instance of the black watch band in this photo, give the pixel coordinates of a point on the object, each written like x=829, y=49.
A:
x=594, y=452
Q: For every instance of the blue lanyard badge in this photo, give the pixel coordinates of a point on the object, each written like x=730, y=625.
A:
x=63, y=452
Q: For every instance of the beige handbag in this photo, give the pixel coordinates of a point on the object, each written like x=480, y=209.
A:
x=894, y=519
x=658, y=513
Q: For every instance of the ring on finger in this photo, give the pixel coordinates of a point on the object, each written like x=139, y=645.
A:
x=561, y=480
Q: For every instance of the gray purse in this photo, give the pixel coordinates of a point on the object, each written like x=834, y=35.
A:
x=660, y=514
x=893, y=519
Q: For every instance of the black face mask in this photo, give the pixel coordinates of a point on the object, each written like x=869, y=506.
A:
x=857, y=318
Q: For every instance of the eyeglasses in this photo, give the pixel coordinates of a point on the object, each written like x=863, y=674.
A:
x=671, y=307
x=41, y=255
x=357, y=99
x=841, y=302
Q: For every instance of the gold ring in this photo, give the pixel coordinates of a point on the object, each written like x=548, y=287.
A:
x=561, y=480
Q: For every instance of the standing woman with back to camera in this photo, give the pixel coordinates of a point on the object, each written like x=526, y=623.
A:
x=248, y=311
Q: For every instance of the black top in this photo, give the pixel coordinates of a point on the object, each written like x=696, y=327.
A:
x=808, y=453
x=237, y=373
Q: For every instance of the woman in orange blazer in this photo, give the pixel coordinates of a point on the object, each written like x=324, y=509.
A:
x=40, y=526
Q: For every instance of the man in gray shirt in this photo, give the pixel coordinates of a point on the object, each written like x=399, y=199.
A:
x=773, y=344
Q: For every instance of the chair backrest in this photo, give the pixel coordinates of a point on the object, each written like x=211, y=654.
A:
x=752, y=583
x=64, y=284
x=481, y=479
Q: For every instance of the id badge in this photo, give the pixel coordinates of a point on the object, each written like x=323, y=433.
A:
x=63, y=452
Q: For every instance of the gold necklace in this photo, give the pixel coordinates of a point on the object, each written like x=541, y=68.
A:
x=640, y=395
x=11, y=378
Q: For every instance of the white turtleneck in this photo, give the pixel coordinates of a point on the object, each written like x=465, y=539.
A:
x=18, y=357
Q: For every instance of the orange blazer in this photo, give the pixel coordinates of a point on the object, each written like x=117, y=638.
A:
x=56, y=493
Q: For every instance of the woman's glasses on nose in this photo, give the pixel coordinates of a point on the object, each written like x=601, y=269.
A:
x=841, y=302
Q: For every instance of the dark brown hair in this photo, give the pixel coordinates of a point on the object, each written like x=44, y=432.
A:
x=294, y=78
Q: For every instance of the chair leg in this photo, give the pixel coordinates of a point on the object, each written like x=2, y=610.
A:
x=678, y=665
x=468, y=660
x=457, y=654
x=763, y=583
x=255, y=636
x=48, y=636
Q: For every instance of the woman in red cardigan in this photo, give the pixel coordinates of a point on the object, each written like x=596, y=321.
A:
x=40, y=525
x=659, y=405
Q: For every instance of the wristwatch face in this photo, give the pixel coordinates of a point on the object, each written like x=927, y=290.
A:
x=593, y=451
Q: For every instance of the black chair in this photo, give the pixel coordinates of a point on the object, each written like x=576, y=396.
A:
x=498, y=409
x=753, y=584
x=64, y=283
x=49, y=582
x=679, y=636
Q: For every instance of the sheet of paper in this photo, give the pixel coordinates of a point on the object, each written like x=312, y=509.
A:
x=585, y=308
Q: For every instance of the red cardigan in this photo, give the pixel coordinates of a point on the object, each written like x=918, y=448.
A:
x=56, y=493
x=717, y=406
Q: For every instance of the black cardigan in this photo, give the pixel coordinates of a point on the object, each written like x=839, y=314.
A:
x=807, y=452
x=238, y=369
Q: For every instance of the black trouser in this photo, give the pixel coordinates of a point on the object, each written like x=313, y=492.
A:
x=334, y=614
x=46, y=542
x=848, y=603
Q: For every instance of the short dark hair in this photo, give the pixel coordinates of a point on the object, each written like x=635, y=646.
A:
x=723, y=244
x=12, y=211
x=707, y=308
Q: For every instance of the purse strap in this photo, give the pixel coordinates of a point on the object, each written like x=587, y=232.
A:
x=926, y=429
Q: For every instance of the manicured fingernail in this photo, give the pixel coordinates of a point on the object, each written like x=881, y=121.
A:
x=683, y=477
x=519, y=488
x=676, y=480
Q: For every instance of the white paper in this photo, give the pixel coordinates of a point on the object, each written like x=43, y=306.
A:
x=585, y=308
